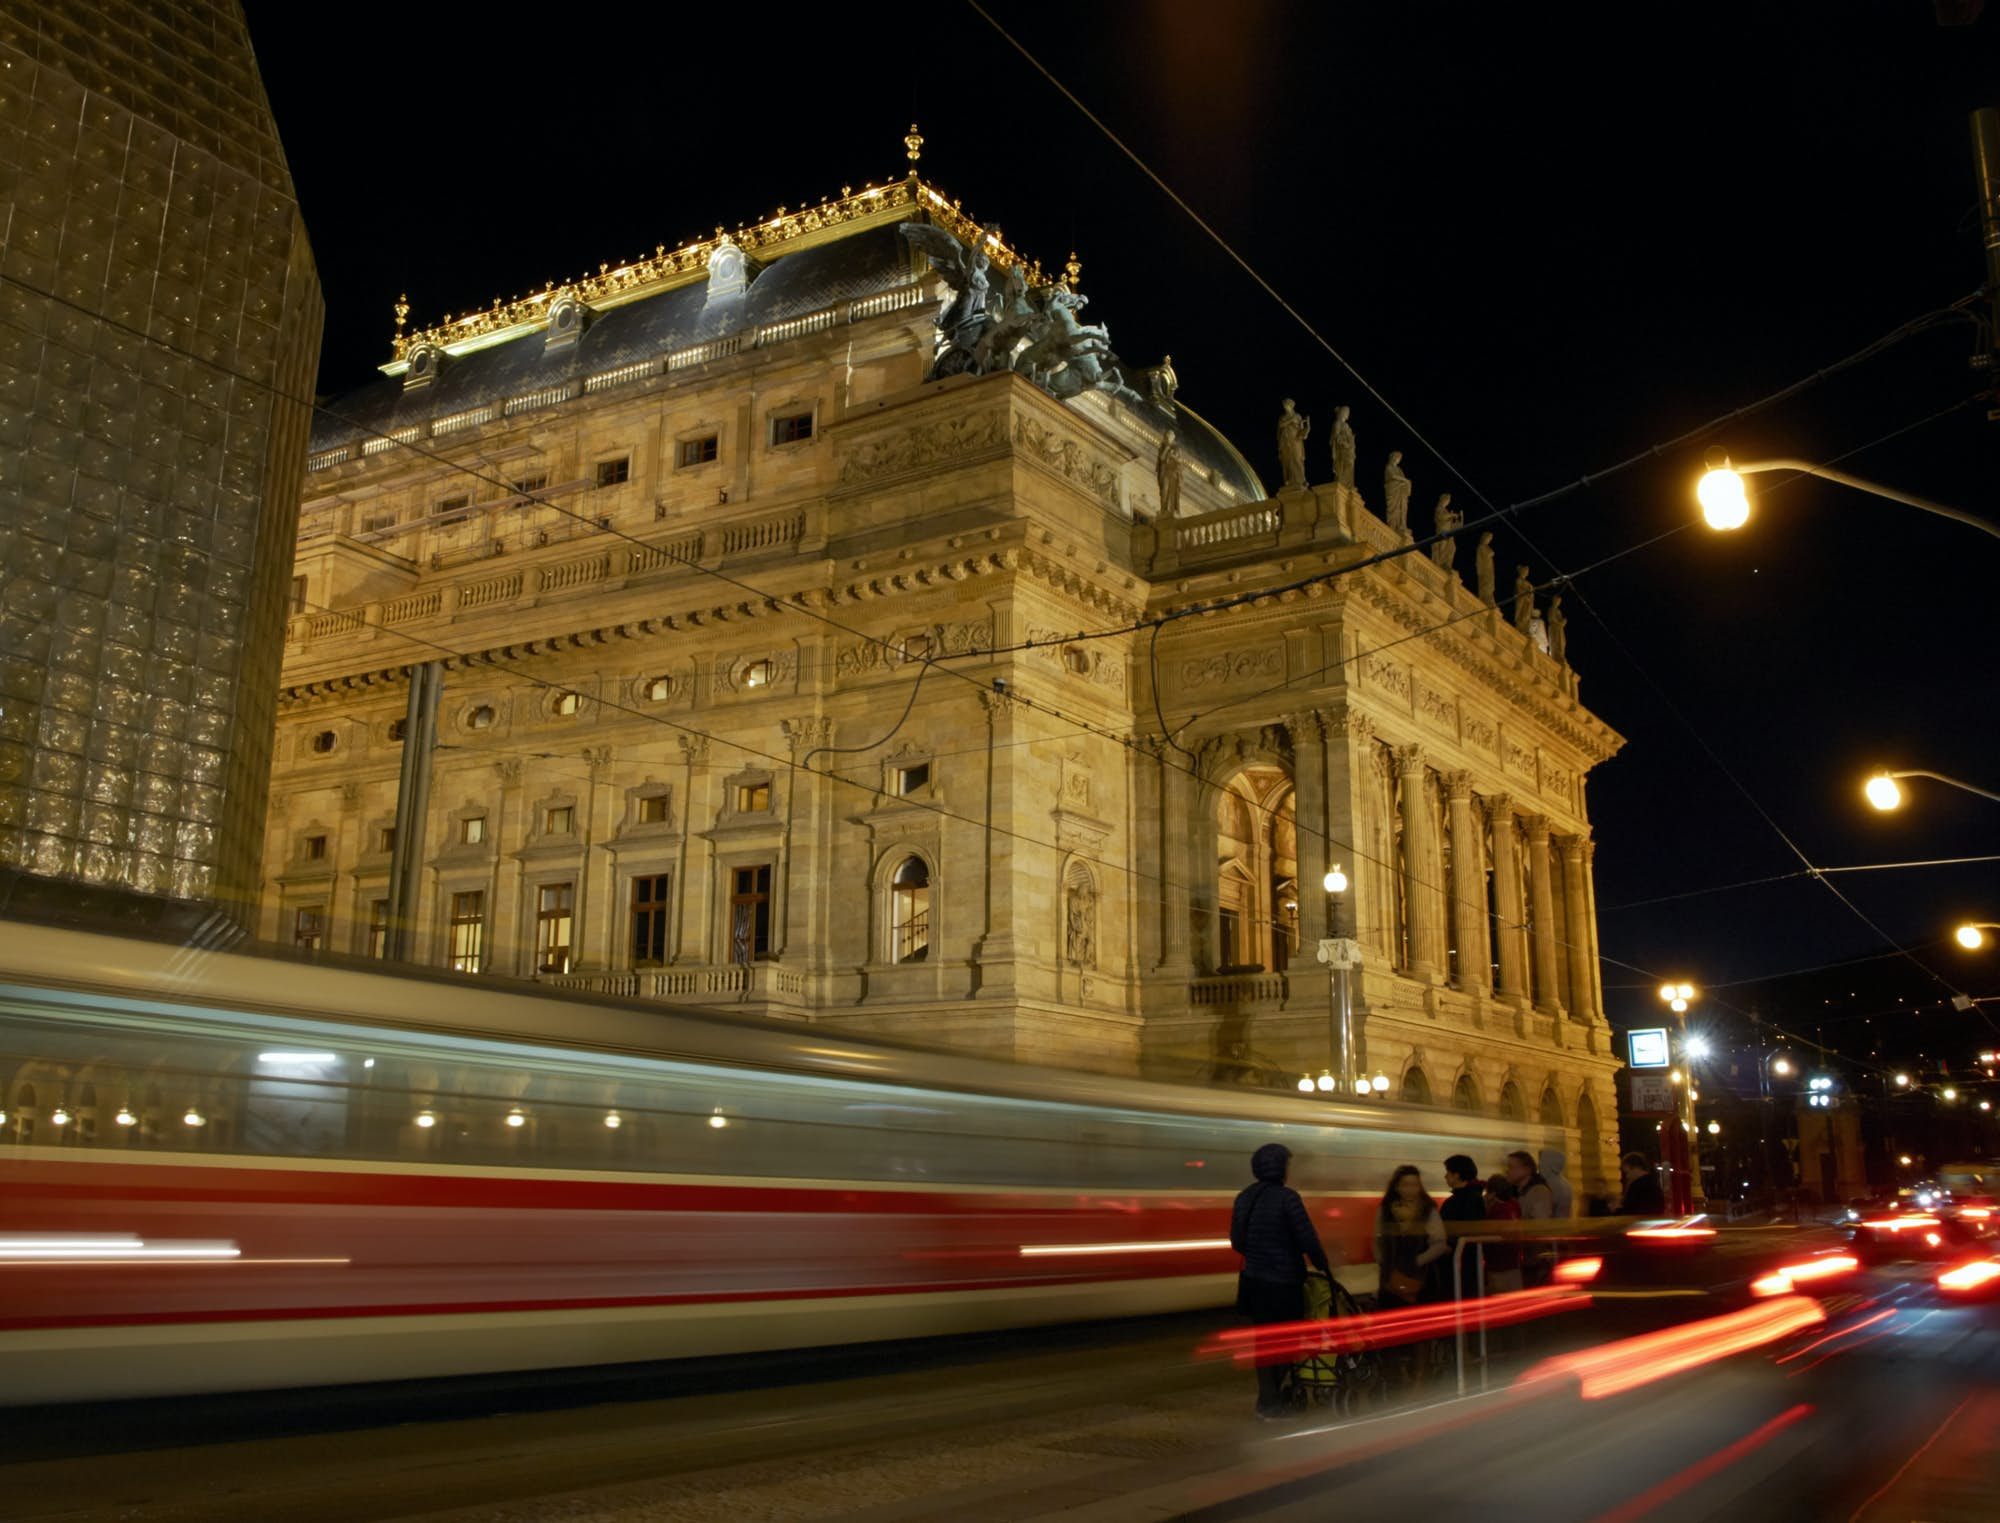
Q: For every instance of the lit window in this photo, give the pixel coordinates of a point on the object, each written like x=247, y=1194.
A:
x=309, y=927
x=611, y=472
x=468, y=931
x=697, y=451
x=559, y=821
x=378, y=928
x=552, y=926
x=654, y=807
x=472, y=830
x=910, y=779
x=649, y=920
x=757, y=674
x=568, y=703
x=481, y=718
x=753, y=798
x=792, y=427
x=910, y=910
x=324, y=741
x=660, y=689
x=750, y=913
x=313, y=848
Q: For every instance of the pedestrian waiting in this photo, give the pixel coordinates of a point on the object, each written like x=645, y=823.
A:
x=1272, y=1231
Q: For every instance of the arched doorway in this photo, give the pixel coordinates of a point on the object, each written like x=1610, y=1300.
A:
x=1416, y=1088
x=1257, y=870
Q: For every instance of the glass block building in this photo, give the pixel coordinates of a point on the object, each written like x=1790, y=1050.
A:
x=160, y=321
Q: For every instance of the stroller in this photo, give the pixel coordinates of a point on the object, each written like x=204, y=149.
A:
x=1345, y=1380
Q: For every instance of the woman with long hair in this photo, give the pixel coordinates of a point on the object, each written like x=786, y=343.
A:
x=1409, y=1238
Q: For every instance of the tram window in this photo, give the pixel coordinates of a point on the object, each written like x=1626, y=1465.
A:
x=649, y=920
x=750, y=913
x=468, y=931
x=553, y=923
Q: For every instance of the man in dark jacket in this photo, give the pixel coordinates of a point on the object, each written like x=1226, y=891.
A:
x=1465, y=1206
x=1643, y=1195
x=1270, y=1228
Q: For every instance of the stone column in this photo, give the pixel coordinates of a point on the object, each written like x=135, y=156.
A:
x=1421, y=899
x=1590, y=914
x=1001, y=946
x=1468, y=885
x=694, y=883
x=1582, y=966
x=595, y=923
x=504, y=917
x=349, y=842
x=1201, y=851
x=1177, y=792
x=802, y=932
x=1541, y=897
x=1309, y=806
x=1350, y=738
x=1510, y=902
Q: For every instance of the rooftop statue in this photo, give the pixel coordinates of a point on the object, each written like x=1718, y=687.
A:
x=1448, y=521
x=1524, y=599
x=1343, y=448
x=1170, y=468
x=1396, y=494
x=1482, y=566
x=1032, y=330
x=1293, y=430
x=1558, y=630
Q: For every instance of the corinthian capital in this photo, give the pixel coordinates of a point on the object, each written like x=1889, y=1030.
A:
x=1410, y=760
x=694, y=748
x=1458, y=785
x=1538, y=828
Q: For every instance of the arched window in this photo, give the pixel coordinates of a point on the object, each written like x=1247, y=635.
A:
x=1464, y=1095
x=1416, y=1088
x=910, y=911
x=1552, y=1107
x=1512, y=1106
x=1257, y=885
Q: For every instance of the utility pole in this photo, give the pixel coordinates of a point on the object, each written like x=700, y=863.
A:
x=1986, y=171
x=413, y=794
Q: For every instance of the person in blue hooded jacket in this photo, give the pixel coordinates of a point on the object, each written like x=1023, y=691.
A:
x=1272, y=1231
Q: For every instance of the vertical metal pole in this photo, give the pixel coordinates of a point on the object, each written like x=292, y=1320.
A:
x=1344, y=1034
x=1986, y=171
x=413, y=786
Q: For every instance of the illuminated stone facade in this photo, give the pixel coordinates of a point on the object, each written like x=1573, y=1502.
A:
x=774, y=678
x=159, y=333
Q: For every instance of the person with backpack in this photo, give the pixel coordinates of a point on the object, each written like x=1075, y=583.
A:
x=1272, y=1231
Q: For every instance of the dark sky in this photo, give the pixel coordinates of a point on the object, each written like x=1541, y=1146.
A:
x=1550, y=235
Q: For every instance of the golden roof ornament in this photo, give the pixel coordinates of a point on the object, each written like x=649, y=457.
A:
x=913, y=144
x=1072, y=270
x=402, y=317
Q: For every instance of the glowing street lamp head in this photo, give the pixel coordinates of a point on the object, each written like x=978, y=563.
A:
x=1669, y=993
x=1305, y=1084
x=1679, y=1006
x=1724, y=503
x=1697, y=1047
x=1715, y=1128
x=1335, y=882
x=1685, y=991
x=1903, y=1159
x=1947, y=1093
x=1326, y=1082
x=1883, y=792
x=1781, y=1066
x=1381, y=1084
x=1970, y=937
x=1902, y=1081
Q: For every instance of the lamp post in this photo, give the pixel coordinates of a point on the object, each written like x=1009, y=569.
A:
x=1883, y=793
x=1342, y=955
x=1688, y=1194
x=1972, y=935
x=1725, y=505
x=1776, y=1064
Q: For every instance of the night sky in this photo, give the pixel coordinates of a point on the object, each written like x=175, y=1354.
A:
x=1551, y=236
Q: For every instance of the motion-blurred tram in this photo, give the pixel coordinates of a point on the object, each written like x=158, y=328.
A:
x=223, y=1171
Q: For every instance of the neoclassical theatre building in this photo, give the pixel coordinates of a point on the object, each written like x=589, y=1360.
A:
x=790, y=595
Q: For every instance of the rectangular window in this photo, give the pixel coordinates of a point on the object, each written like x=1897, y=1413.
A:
x=698, y=451
x=454, y=510
x=649, y=920
x=309, y=927
x=313, y=848
x=792, y=427
x=552, y=926
x=611, y=472
x=526, y=484
x=378, y=928
x=559, y=821
x=378, y=518
x=472, y=831
x=653, y=809
x=298, y=594
x=385, y=838
x=910, y=779
x=468, y=931
x=750, y=913
x=753, y=798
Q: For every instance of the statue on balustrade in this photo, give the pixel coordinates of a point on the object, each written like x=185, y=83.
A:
x=1169, y=469
x=1482, y=566
x=1448, y=521
x=1558, y=630
x=1524, y=599
x=1343, y=448
x=1293, y=429
x=1396, y=495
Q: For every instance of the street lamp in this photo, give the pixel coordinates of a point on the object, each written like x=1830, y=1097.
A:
x=1885, y=795
x=1687, y=1184
x=1972, y=935
x=1725, y=505
x=1342, y=955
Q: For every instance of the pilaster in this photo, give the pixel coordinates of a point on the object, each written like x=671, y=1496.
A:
x=1541, y=915
x=1421, y=898
x=1468, y=886
x=1582, y=968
